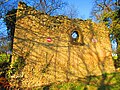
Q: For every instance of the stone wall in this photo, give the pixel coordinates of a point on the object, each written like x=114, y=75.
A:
x=62, y=57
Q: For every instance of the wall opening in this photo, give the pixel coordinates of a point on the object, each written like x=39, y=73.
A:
x=75, y=36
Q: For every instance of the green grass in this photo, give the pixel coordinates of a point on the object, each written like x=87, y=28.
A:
x=103, y=82
x=4, y=58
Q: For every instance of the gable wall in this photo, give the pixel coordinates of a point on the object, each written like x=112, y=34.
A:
x=59, y=60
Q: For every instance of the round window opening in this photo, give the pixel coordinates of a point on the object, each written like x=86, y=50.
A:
x=75, y=35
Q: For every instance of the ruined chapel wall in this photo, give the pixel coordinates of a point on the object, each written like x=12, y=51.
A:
x=60, y=59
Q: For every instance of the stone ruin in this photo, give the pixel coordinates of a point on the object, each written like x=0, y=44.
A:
x=58, y=49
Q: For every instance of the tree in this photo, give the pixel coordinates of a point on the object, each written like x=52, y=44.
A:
x=108, y=12
x=7, y=5
x=47, y=6
x=103, y=8
x=8, y=10
x=10, y=22
x=50, y=6
x=71, y=11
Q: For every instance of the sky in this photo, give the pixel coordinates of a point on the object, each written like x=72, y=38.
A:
x=83, y=7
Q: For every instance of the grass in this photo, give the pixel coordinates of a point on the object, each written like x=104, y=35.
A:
x=103, y=82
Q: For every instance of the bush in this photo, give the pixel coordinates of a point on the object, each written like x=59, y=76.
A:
x=4, y=64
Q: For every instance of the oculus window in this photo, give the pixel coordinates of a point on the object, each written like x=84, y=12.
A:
x=75, y=36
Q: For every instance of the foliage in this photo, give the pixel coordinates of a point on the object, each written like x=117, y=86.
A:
x=117, y=85
x=4, y=58
x=108, y=12
x=6, y=70
x=4, y=84
x=4, y=64
x=19, y=63
x=17, y=66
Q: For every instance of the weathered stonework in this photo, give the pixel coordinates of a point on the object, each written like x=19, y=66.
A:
x=62, y=58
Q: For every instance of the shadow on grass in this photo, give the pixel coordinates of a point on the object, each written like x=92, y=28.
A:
x=103, y=82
